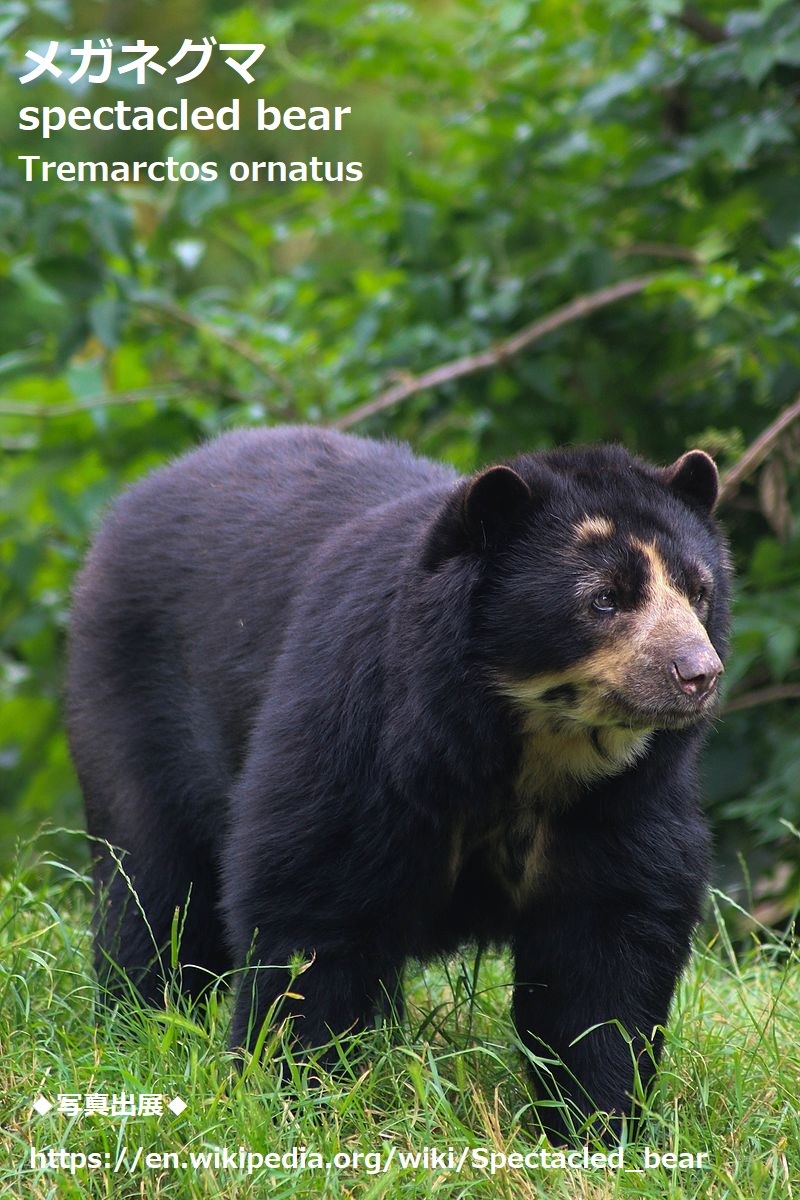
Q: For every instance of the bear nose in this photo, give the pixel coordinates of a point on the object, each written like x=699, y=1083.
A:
x=695, y=672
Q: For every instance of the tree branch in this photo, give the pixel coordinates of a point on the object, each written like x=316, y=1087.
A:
x=180, y=315
x=21, y=408
x=701, y=26
x=659, y=250
x=767, y=695
x=499, y=352
x=760, y=449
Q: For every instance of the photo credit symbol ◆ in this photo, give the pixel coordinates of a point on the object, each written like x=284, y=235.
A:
x=42, y=1106
x=177, y=1106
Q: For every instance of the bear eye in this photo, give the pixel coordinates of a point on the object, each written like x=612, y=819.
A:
x=699, y=596
x=605, y=601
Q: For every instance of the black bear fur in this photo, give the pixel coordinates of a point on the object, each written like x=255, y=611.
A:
x=335, y=697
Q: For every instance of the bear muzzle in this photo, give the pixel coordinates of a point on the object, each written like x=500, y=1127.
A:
x=695, y=671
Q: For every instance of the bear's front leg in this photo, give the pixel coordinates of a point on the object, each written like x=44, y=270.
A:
x=594, y=982
x=338, y=989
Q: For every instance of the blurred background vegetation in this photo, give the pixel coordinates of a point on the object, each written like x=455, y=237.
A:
x=518, y=156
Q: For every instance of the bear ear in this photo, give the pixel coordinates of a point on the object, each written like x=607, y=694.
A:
x=694, y=477
x=480, y=514
x=492, y=504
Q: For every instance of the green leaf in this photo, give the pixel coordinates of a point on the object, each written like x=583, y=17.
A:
x=781, y=651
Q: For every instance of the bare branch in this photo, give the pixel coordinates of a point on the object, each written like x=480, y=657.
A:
x=499, y=352
x=756, y=453
x=21, y=408
x=181, y=316
x=767, y=695
x=700, y=25
x=659, y=250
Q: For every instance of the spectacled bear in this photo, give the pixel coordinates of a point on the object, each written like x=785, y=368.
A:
x=329, y=699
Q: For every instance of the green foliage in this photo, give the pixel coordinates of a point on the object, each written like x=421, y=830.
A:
x=515, y=157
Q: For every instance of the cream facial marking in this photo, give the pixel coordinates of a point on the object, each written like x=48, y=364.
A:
x=668, y=614
x=574, y=730
x=594, y=528
x=661, y=589
x=569, y=736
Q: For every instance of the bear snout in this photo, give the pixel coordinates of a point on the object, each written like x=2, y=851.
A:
x=695, y=671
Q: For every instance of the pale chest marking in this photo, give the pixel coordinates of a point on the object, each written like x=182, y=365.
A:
x=560, y=755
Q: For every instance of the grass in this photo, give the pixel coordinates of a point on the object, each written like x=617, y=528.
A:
x=452, y=1077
